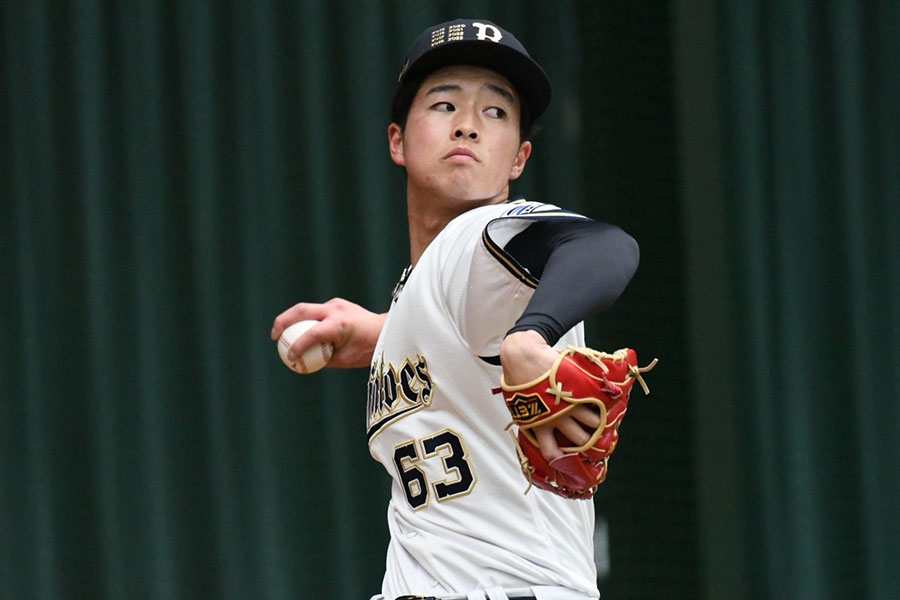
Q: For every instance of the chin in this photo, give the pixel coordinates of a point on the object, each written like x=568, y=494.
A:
x=478, y=195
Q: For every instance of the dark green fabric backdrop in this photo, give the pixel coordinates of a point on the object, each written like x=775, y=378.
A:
x=790, y=149
x=174, y=174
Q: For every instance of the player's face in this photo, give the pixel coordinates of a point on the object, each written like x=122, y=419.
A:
x=461, y=141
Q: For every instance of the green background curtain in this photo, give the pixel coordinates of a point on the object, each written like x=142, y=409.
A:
x=790, y=153
x=174, y=174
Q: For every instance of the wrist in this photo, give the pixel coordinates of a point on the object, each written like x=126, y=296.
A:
x=523, y=342
x=524, y=356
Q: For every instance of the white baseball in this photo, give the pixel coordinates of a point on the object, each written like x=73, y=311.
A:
x=310, y=361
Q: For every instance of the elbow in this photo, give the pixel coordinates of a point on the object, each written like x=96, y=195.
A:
x=625, y=256
x=629, y=258
x=630, y=253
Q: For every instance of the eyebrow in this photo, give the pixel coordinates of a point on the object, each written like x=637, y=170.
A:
x=452, y=87
x=505, y=93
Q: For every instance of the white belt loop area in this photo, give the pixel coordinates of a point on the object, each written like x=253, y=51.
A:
x=496, y=593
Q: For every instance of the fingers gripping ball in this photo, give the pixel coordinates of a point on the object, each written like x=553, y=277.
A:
x=314, y=359
x=580, y=376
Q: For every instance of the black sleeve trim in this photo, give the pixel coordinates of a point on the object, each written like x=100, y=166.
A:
x=510, y=263
x=491, y=360
x=528, y=272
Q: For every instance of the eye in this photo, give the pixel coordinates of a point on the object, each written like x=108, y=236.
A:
x=444, y=107
x=496, y=112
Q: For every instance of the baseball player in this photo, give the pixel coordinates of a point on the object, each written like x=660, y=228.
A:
x=495, y=289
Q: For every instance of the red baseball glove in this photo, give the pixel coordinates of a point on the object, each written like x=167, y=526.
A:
x=579, y=376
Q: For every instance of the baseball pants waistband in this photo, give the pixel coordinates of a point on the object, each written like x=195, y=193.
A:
x=456, y=597
x=490, y=594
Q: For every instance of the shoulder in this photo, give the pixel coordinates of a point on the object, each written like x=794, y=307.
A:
x=518, y=215
x=497, y=223
x=519, y=209
x=537, y=211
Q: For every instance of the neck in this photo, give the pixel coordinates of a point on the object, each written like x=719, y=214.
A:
x=428, y=215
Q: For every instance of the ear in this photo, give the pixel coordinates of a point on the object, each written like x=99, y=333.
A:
x=521, y=159
x=395, y=144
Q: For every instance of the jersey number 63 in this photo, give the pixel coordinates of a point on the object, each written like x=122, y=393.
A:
x=447, y=446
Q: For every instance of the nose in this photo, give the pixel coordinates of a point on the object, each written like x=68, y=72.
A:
x=466, y=124
x=468, y=132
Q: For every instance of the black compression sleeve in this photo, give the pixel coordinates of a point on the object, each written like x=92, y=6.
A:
x=583, y=267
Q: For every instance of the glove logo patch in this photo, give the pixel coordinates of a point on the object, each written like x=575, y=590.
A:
x=526, y=408
x=580, y=377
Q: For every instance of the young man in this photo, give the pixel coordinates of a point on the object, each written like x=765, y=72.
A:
x=493, y=287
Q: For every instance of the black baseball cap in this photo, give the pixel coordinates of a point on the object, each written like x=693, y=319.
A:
x=482, y=43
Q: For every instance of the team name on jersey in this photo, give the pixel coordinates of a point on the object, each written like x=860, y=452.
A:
x=397, y=391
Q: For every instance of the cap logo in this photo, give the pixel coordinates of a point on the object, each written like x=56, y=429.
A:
x=456, y=33
x=487, y=31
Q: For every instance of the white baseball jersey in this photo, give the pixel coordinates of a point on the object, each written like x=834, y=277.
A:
x=459, y=516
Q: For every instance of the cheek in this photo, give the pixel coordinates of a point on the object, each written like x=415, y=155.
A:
x=422, y=132
x=508, y=153
x=415, y=152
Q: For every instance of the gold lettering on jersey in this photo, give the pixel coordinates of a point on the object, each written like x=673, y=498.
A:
x=526, y=408
x=394, y=391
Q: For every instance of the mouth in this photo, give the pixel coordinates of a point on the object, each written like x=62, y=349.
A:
x=461, y=154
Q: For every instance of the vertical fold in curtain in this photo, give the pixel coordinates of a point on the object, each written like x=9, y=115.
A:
x=811, y=130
